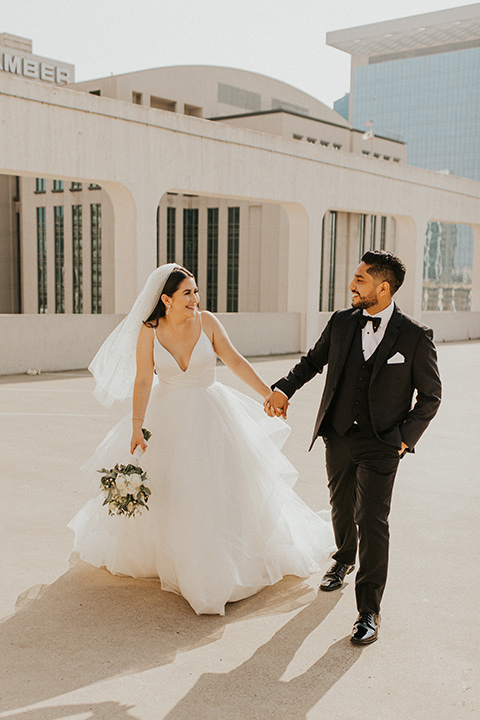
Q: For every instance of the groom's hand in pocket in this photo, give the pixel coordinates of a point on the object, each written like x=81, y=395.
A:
x=276, y=404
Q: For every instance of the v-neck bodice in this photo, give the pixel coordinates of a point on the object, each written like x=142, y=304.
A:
x=201, y=368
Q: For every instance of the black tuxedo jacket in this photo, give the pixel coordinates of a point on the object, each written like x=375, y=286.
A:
x=397, y=414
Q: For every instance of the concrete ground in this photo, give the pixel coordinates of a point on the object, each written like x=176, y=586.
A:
x=78, y=643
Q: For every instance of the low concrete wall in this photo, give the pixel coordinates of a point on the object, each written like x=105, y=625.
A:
x=453, y=325
x=69, y=342
x=255, y=334
x=51, y=342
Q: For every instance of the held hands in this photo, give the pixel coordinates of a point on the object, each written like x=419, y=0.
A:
x=276, y=405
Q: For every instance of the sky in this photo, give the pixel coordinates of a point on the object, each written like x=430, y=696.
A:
x=284, y=39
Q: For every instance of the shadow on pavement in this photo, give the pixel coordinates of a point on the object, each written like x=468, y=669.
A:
x=96, y=711
x=255, y=690
x=88, y=626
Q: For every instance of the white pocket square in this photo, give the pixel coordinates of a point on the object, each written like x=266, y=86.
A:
x=396, y=359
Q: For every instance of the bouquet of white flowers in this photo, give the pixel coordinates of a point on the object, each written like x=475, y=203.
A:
x=126, y=487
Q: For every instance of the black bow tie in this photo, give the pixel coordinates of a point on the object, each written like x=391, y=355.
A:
x=363, y=319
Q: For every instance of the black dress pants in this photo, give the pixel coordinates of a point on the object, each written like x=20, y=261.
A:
x=361, y=472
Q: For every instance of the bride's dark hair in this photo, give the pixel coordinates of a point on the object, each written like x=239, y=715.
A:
x=174, y=281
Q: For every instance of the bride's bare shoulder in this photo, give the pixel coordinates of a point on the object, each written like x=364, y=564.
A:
x=210, y=323
x=146, y=333
x=208, y=319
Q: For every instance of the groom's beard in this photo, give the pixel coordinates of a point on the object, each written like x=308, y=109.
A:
x=363, y=303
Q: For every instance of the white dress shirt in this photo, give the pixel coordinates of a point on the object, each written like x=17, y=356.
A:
x=371, y=340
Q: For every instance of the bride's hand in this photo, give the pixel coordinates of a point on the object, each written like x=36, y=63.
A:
x=137, y=439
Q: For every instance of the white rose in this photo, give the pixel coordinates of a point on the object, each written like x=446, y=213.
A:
x=130, y=506
x=122, y=485
x=135, y=480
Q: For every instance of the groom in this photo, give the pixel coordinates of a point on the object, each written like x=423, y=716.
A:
x=381, y=391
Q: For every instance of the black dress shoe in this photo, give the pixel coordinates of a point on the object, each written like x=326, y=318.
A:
x=365, y=629
x=333, y=578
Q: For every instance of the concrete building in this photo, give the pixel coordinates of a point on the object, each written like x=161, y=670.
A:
x=417, y=79
x=271, y=207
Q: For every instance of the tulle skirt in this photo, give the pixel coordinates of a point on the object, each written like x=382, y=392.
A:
x=223, y=519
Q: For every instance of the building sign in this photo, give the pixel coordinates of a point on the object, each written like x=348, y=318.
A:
x=35, y=69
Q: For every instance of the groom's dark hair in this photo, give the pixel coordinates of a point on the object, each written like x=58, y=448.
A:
x=384, y=265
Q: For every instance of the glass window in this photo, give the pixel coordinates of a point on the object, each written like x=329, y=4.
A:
x=190, y=239
x=40, y=185
x=77, y=258
x=245, y=99
x=447, y=267
x=333, y=257
x=361, y=235
x=212, y=259
x=322, y=253
x=96, y=256
x=42, y=259
x=57, y=186
x=171, y=230
x=59, y=259
x=94, y=186
x=383, y=232
x=75, y=186
x=233, y=254
x=163, y=104
x=373, y=231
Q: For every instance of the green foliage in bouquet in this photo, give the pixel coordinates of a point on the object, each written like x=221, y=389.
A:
x=126, y=487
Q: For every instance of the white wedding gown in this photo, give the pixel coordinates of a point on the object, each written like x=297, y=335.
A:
x=224, y=521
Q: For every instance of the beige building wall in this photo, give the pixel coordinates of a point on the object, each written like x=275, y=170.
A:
x=283, y=187
x=209, y=91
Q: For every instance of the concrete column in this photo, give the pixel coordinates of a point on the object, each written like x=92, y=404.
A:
x=315, y=217
x=162, y=230
x=29, y=248
x=409, y=247
x=108, y=255
x=305, y=234
x=134, y=233
x=254, y=246
x=283, y=257
x=269, y=258
x=342, y=270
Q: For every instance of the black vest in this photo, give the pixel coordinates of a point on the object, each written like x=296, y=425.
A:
x=350, y=402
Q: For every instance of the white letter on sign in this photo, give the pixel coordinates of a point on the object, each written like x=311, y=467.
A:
x=12, y=64
x=47, y=72
x=31, y=68
x=63, y=76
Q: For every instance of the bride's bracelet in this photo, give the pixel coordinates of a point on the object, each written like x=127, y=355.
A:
x=137, y=418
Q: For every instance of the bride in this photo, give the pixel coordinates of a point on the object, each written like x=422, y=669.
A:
x=223, y=521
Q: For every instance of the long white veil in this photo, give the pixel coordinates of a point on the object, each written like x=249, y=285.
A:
x=114, y=365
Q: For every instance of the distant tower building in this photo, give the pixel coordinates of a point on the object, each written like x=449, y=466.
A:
x=418, y=79
x=341, y=106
